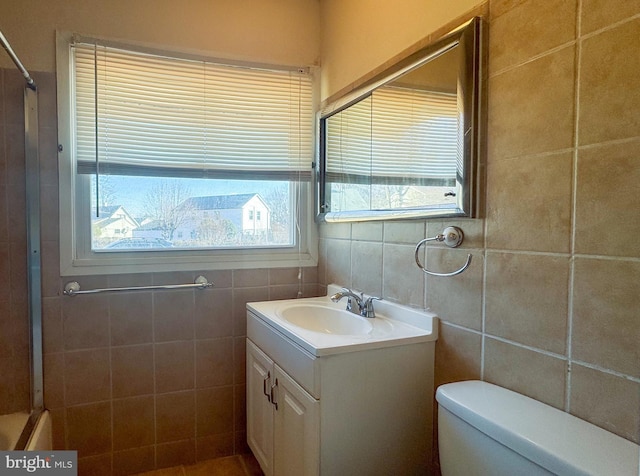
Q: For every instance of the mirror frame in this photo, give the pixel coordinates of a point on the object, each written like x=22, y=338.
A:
x=469, y=38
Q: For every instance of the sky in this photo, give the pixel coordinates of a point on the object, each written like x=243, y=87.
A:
x=131, y=192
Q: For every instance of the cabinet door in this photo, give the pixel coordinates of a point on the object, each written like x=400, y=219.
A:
x=297, y=428
x=259, y=408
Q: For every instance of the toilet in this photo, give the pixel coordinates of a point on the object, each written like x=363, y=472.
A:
x=488, y=430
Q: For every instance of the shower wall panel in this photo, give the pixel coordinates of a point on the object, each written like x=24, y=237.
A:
x=14, y=323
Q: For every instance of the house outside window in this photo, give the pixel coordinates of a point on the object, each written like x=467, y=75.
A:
x=157, y=145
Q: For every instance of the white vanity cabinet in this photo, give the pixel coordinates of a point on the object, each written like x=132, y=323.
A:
x=282, y=419
x=361, y=409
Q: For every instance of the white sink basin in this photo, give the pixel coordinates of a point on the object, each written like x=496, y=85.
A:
x=324, y=319
x=322, y=327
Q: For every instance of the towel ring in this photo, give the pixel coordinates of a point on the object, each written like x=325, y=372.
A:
x=452, y=236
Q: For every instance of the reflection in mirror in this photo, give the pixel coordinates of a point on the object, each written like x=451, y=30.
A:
x=399, y=150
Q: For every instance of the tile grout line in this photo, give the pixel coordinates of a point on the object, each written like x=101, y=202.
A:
x=245, y=470
x=530, y=348
x=155, y=384
x=574, y=208
x=534, y=58
x=591, y=34
x=605, y=370
x=111, y=398
x=195, y=376
x=483, y=308
x=606, y=28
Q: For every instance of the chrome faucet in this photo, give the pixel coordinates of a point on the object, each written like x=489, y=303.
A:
x=364, y=307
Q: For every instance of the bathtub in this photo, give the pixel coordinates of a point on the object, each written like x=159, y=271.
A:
x=37, y=436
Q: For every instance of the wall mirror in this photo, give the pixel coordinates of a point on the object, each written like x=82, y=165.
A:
x=407, y=144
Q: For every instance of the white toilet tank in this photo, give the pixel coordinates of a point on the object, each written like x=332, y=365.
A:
x=488, y=430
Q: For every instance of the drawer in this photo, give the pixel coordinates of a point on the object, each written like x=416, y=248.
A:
x=293, y=359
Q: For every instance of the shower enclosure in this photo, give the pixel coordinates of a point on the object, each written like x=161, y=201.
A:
x=21, y=373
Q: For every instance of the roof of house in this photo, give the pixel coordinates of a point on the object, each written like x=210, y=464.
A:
x=151, y=225
x=103, y=222
x=108, y=210
x=107, y=215
x=219, y=202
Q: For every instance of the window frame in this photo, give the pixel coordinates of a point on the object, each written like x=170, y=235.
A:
x=76, y=256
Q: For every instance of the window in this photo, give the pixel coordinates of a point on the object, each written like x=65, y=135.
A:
x=168, y=151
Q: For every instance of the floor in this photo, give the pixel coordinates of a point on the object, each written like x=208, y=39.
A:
x=236, y=465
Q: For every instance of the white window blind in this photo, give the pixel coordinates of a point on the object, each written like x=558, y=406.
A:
x=396, y=135
x=143, y=114
x=349, y=146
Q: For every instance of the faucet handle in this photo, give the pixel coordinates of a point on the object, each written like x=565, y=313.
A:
x=369, y=311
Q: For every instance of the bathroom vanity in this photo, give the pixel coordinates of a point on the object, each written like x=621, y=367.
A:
x=333, y=393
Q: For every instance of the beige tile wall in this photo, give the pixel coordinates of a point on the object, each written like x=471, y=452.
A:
x=136, y=380
x=550, y=305
x=144, y=380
